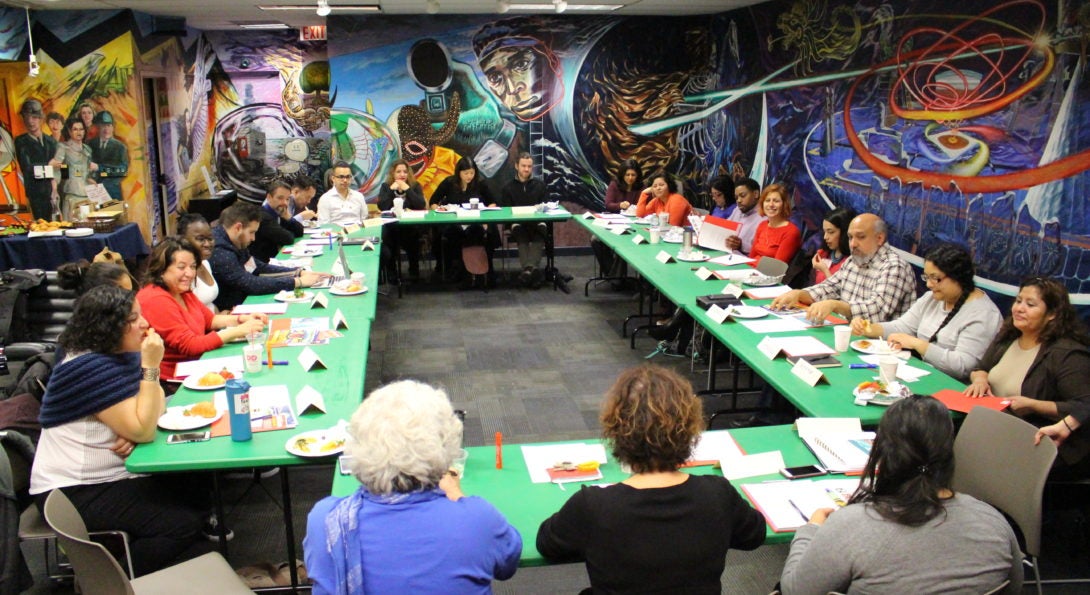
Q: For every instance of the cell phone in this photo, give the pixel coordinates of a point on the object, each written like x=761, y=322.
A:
x=803, y=471
x=188, y=437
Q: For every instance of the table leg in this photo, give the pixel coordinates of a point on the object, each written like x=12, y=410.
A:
x=711, y=364
x=289, y=527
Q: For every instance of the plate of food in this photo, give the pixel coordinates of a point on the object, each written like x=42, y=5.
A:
x=293, y=296
x=873, y=347
x=748, y=312
x=208, y=381
x=446, y=209
x=189, y=417
x=759, y=280
x=347, y=287
x=317, y=443
x=876, y=392
x=693, y=256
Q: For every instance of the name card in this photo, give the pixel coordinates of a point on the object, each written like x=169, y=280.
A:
x=638, y=239
x=601, y=222
x=664, y=257
x=339, y=321
x=704, y=273
x=718, y=314
x=310, y=360
x=806, y=372
x=351, y=228
x=732, y=290
x=588, y=215
x=769, y=347
x=368, y=245
x=469, y=213
x=618, y=229
x=320, y=300
x=309, y=399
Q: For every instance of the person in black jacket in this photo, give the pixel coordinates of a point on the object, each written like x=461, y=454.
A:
x=524, y=191
x=277, y=228
x=400, y=183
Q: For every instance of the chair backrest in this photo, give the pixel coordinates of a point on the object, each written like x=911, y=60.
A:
x=995, y=460
x=773, y=267
x=96, y=570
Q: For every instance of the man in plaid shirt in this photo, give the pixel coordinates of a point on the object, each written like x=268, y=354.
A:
x=874, y=284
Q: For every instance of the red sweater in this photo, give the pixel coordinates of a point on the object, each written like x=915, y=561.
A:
x=187, y=332
x=676, y=205
x=778, y=242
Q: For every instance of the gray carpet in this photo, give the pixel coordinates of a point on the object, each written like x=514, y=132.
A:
x=533, y=365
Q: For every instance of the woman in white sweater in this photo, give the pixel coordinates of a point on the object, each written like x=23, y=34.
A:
x=951, y=326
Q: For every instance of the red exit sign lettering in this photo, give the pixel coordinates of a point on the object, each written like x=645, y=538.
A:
x=312, y=33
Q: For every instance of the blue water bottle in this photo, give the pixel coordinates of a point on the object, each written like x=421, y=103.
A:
x=238, y=407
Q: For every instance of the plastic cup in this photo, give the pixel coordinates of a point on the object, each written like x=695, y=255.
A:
x=842, y=337
x=474, y=203
x=664, y=220
x=887, y=367
x=656, y=236
x=251, y=357
x=458, y=464
x=399, y=205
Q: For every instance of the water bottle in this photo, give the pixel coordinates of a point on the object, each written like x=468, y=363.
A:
x=238, y=407
x=687, y=241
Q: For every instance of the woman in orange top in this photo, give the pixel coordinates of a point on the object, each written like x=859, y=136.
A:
x=658, y=198
x=776, y=236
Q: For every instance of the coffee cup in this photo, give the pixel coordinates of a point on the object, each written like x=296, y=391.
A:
x=399, y=205
x=887, y=367
x=656, y=235
x=474, y=203
x=842, y=335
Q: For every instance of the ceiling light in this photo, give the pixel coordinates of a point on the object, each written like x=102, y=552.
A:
x=323, y=8
x=433, y=6
x=561, y=6
x=340, y=7
x=264, y=26
x=539, y=7
x=502, y=6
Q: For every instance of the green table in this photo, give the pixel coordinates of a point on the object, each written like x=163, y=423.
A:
x=678, y=281
x=527, y=504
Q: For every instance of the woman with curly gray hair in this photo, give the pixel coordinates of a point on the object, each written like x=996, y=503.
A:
x=409, y=528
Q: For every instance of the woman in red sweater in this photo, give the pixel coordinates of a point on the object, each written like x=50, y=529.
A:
x=188, y=328
x=776, y=237
x=659, y=198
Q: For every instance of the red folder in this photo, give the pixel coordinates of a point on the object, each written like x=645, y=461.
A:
x=956, y=400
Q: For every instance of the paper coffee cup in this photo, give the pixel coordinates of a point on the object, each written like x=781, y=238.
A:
x=664, y=220
x=842, y=335
x=656, y=236
x=887, y=367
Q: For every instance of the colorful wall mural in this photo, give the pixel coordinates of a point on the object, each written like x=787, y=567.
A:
x=966, y=124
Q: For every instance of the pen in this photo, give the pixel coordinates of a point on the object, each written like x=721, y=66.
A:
x=275, y=363
x=799, y=510
x=861, y=366
x=499, y=451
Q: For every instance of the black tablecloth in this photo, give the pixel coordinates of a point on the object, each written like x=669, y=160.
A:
x=21, y=252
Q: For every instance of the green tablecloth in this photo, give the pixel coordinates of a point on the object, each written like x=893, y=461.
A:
x=527, y=504
x=502, y=215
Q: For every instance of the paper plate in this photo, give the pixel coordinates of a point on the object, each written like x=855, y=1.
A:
x=671, y=239
x=759, y=280
x=335, y=291
x=289, y=297
x=884, y=398
x=79, y=232
x=175, y=419
x=190, y=382
x=316, y=443
x=748, y=312
x=693, y=257
x=873, y=347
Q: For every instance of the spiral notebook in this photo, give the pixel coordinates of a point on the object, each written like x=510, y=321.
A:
x=839, y=443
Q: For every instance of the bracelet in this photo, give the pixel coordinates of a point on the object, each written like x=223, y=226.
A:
x=1064, y=419
x=149, y=374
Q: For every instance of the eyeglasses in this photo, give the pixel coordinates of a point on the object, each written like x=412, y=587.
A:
x=341, y=177
x=932, y=278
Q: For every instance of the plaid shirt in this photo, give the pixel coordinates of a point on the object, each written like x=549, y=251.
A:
x=881, y=287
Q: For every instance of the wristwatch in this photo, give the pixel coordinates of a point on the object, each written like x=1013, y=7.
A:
x=149, y=374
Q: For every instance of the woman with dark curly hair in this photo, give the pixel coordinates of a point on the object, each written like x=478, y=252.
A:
x=101, y=399
x=904, y=530
x=188, y=327
x=950, y=327
x=1041, y=362
x=660, y=197
x=661, y=529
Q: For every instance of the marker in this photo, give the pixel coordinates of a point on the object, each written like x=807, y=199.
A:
x=861, y=366
x=499, y=450
x=275, y=363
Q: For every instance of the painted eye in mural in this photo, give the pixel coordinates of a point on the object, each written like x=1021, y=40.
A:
x=522, y=64
x=952, y=141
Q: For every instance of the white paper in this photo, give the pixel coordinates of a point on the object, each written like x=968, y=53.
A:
x=809, y=426
x=793, y=346
x=339, y=321
x=295, y=263
x=469, y=213
x=905, y=372
x=732, y=274
x=273, y=308
x=407, y=214
x=771, y=324
x=351, y=228
x=539, y=459
x=715, y=446
x=310, y=360
x=767, y=293
x=764, y=463
x=200, y=367
x=780, y=500
x=320, y=300
x=734, y=258
x=714, y=236
x=309, y=398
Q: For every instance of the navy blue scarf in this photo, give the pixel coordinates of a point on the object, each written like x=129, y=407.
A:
x=88, y=384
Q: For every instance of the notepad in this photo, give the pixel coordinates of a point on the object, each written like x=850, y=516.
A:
x=539, y=459
x=788, y=505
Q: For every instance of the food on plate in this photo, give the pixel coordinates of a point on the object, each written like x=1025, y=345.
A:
x=210, y=379
x=349, y=286
x=299, y=292
x=202, y=409
x=226, y=374
x=308, y=444
x=43, y=225
x=872, y=385
x=864, y=344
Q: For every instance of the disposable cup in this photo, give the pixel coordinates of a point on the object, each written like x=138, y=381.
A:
x=842, y=335
x=887, y=367
x=458, y=465
x=251, y=357
x=656, y=236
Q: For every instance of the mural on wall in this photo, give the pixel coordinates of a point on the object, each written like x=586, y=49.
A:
x=967, y=125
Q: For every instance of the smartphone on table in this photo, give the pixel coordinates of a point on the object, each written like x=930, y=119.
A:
x=803, y=471
x=189, y=437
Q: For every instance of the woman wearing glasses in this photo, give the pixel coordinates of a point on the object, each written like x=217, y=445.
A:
x=951, y=326
x=1041, y=362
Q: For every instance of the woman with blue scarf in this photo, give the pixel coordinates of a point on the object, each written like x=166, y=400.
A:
x=409, y=528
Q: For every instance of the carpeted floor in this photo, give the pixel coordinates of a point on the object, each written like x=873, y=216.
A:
x=532, y=364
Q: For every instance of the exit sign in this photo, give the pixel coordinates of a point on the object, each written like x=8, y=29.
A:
x=312, y=33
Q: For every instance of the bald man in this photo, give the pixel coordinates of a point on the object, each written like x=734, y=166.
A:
x=874, y=284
